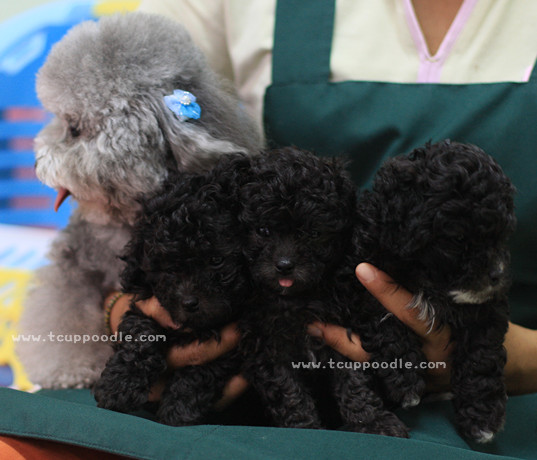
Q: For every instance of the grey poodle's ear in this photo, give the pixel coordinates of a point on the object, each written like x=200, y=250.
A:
x=192, y=146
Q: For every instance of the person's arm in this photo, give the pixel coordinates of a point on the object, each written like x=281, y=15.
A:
x=521, y=367
x=190, y=355
x=150, y=307
x=520, y=343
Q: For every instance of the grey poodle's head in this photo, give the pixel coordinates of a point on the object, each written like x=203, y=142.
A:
x=113, y=138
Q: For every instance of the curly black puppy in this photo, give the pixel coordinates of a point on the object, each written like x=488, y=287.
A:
x=299, y=213
x=438, y=220
x=186, y=251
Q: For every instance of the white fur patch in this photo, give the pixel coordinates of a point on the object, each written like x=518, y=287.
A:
x=426, y=310
x=484, y=437
x=473, y=297
x=411, y=401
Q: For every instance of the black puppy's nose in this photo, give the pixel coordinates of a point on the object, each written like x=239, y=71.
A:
x=285, y=265
x=495, y=276
x=190, y=303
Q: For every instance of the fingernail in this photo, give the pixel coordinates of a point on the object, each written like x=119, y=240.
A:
x=314, y=331
x=366, y=273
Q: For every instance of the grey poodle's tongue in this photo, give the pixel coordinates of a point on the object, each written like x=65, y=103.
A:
x=63, y=193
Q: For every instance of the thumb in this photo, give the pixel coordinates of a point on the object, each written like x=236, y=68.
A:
x=337, y=337
x=392, y=296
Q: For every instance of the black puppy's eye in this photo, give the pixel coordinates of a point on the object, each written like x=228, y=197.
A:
x=263, y=231
x=215, y=261
x=74, y=131
x=314, y=234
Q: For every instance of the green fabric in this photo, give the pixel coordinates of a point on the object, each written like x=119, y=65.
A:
x=368, y=121
x=371, y=121
x=71, y=416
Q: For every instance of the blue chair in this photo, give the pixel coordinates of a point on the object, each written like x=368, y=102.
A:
x=26, y=41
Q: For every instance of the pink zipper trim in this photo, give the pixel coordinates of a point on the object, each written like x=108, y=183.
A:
x=527, y=73
x=431, y=66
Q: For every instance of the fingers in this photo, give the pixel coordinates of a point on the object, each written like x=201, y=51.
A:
x=152, y=308
x=233, y=389
x=197, y=353
x=394, y=298
x=337, y=337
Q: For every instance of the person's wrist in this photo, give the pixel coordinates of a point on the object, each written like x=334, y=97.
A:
x=521, y=367
x=116, y=304
x=110, y=302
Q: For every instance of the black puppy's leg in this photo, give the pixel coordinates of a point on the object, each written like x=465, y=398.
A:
x=286, y=398
x=479, y=395
x=135, y=366
x=361, y=409
x=193, y=391
x=397, y=350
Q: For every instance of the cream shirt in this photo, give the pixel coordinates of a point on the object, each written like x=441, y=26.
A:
x=378, y=40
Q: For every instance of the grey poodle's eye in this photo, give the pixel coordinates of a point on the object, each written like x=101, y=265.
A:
x=263, y=231
x=74, y=131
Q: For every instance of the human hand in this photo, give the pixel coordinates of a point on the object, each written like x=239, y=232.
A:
x=520, y=342
x=193, y=354
x=436, y=343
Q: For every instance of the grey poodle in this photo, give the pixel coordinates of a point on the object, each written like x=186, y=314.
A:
x=114, y=139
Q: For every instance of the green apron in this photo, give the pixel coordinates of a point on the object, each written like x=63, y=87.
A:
x=369, y=121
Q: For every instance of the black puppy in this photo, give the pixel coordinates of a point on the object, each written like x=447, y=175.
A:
x=186, y=251
x=438, y=220
x=299, y=213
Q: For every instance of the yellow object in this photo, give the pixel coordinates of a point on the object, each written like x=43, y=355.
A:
x=13, y=286
x=114, y=6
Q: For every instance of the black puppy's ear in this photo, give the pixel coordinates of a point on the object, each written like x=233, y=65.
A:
x=338, y=167
x=133, y=277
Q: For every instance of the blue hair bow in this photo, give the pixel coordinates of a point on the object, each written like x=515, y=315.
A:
x=183, y=104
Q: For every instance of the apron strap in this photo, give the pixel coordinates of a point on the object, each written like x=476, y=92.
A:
x=302, y=41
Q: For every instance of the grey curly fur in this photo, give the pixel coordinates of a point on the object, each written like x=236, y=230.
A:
x=112, y=141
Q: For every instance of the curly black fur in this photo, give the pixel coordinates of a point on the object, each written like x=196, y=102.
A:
x=438, y=221
x=186, y=251
x=298, y=211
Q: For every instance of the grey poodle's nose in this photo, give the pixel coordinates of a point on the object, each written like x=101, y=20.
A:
x=285, y=265
x=190, y=303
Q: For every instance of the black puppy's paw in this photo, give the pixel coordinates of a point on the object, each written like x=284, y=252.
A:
x=386, y=424
x=480, y=432
x=120, y=391
x=481, y=423
x=307, y=422
x=178, y=415
x=406, y=398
